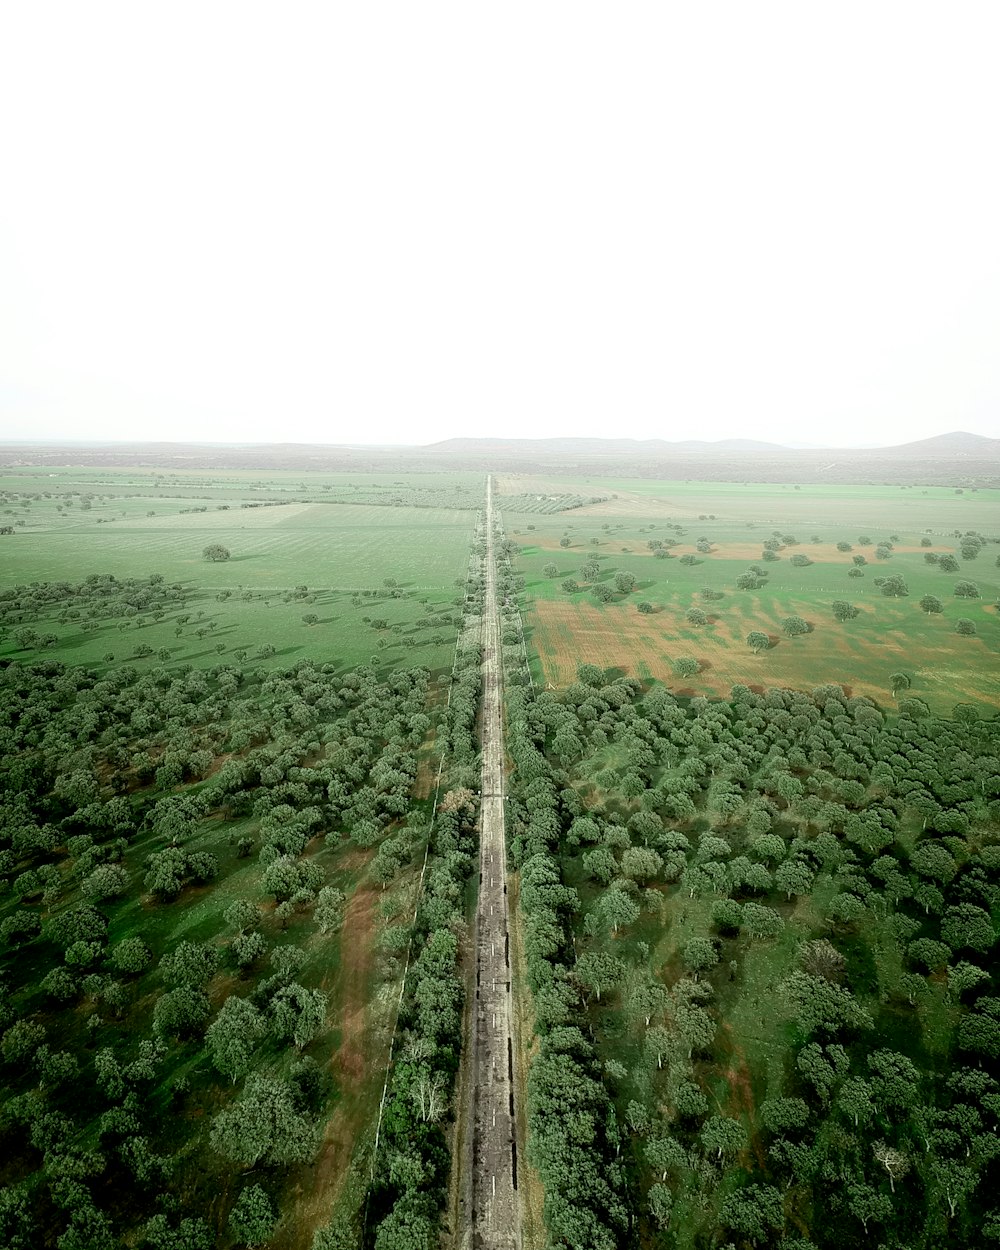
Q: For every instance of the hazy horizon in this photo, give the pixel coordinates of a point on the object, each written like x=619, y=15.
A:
x=396, y=226
x=386, y=446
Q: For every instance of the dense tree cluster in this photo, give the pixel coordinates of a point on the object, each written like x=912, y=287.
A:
x=86, y=605
x=849, y=853
x=126, y=797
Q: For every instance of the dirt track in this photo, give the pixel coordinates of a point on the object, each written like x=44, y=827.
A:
x=491, y=1214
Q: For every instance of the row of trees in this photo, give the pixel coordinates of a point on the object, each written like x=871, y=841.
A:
x=573, y=1134
x=410, y=1177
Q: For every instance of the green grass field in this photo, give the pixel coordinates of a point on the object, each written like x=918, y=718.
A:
x=888, y=635
x=337, y=550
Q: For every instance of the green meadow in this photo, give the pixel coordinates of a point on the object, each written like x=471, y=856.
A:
x=298, y=548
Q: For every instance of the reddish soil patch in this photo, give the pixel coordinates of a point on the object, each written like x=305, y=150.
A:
x=219, y=760
x=741, y=1100
x=426, y=779
x=353, y=859
x=751, y=552
x=352, y=987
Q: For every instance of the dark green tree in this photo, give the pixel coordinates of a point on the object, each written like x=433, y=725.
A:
x=265, y=1125
x=253, y=1218
x=234, y=1035
x=755, y=1212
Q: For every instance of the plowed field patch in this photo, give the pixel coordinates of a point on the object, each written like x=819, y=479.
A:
x=857, y=654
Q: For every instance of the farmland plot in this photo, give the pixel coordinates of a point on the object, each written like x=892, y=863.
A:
x=887, y=553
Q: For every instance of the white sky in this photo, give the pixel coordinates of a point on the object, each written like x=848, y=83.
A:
x=396, y=222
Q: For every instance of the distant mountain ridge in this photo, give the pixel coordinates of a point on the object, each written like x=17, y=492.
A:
x=593, y=446
x=958, y=443
x=956, y=459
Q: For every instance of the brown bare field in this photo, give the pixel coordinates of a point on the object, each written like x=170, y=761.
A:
x=859, y=655
x=818, y=553
x=629, y=505
x=580, y=549
x=528, y=484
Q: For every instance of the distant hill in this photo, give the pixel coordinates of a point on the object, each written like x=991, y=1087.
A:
x=942, y=446
x=591, y=446
x=957, y=443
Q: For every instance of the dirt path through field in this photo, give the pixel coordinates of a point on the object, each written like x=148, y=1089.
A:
x=349, y=993
x=741, y=1092
x=352, y=990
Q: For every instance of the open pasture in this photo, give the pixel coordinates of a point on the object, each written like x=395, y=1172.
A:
x=290, y=559
x=764, y=503
x=888, y=635
x=38, y=491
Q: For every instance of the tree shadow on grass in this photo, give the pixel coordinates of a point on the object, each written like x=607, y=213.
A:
x=72, y=642
x=191, y=656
